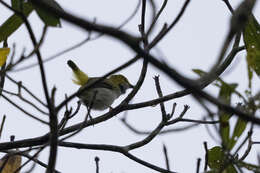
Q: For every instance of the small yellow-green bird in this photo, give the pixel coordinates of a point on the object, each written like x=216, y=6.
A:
x=102, y=95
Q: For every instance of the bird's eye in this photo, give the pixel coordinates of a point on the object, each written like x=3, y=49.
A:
x=122, y=89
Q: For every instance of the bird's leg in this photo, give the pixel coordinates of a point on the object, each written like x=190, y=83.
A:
x=89, y=107
x=110, y=108
x=88, y=114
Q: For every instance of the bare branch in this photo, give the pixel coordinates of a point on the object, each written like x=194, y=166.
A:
x=159, y=91
x=97, y=164
x=166, y=157
x=206, y=156
x=113, y=148
x=2, y=125
x=198, y=165
x=24, y=111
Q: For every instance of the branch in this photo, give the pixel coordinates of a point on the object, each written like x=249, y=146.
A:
x=2, y=125
x=146, y=140
x=202, y=82
x=114, y=149
x=52, y=114
x=166, y=157
x=132, y=42
x=77, y=45
x=24, y=111
x=180, y=129
x=26, y=89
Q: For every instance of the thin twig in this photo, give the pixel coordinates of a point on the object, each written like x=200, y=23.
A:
x=25, y=154
x=24, y=111
x=173, y=110
x=39, y=43
x=247, y=150
x=27, y=90
x=97, y=164
x=249, y=134
x=166, y=157
x=114, y=148
x=19, y=95
x=157, y=17
x=78, y=130
x=68, y=115
x=176, y=20
x=30, y=159
x=229, y=6
x=2, y=125
x=142, y=25
x=77, y=45
x=191, y=120
x=159, y=92
x=198, y=165
x=180, y=129
x=248, y=147
x=206, y=156
x=146, y=140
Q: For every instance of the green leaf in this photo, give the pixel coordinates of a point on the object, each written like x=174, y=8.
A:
x=14, y=22
x=199, y=72
x=251, y=36
x=238, y=131
x=239, y=128
x=216, y=161
x=224, y=132
x=225, y=93
x=202, y=73
x=249, y=166
x=230, y=169
x=47, y=17
x=226, y=90
x=250, y=75
x=215, y=157
x=16, y=4
x=219, y=82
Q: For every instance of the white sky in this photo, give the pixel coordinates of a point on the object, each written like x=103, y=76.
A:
x=193, y=43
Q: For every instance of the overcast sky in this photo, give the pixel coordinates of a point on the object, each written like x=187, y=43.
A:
x=193, y=43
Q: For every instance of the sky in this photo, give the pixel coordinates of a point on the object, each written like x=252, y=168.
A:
x=194, y=43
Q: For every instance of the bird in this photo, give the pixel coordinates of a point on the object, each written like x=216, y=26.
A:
x=101, y=95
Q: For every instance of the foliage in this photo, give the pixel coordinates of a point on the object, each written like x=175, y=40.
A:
x=15, y=21
x=251, y=37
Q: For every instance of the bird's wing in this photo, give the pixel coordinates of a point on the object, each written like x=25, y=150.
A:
x=102, y=84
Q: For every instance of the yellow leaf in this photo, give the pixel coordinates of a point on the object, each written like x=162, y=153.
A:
x=4, y=52
x=13, y=163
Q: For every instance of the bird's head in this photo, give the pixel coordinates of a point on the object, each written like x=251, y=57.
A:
x=120, y=82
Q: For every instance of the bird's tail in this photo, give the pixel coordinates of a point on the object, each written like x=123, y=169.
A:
x=80, y=78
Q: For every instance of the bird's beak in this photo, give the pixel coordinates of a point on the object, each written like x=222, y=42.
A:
x=131, y=86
